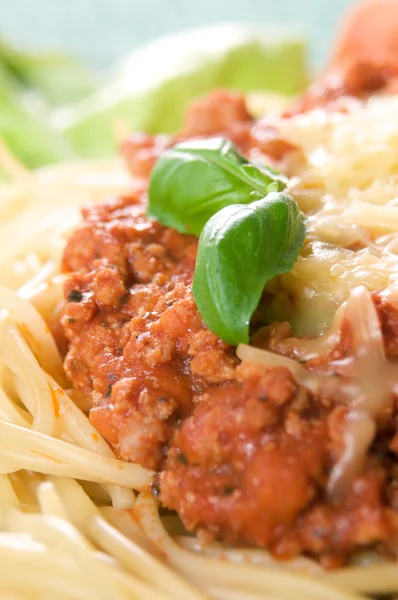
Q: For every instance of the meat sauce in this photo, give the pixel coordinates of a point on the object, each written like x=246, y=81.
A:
x=364, y=59
x=242, y=453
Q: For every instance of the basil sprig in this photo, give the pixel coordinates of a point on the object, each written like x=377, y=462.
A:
x=249, y=230
x=240, y=249
x=193, y=180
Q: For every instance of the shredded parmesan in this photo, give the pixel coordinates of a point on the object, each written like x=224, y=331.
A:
x=348, y=181
x=370, y=391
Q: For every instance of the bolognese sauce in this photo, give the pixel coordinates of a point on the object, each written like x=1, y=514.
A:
x=241, y=451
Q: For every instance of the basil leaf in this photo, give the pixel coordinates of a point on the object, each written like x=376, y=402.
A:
x=193, y=180
x=240, y=249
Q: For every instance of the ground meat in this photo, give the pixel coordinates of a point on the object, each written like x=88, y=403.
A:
x=244, y=463
x=242, y=452
x=348, y=80
x=364, y=59
x=251, y=466
x=220, y=113
x=141, y=152
x=387, y=308
x=216, y=112
x=368, y=33
x=137, y=344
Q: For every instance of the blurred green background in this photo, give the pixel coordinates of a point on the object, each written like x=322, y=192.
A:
x=74, y=72
x=101, y=31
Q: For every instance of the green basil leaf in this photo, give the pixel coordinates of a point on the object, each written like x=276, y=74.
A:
x=241, y=248
x=193, y=180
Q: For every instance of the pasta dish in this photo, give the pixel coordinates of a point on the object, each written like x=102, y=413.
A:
x=198, y=352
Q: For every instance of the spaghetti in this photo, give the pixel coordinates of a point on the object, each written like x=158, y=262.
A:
x=69, y=508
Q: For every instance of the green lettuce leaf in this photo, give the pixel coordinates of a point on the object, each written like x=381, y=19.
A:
x=58, y=79
x=24, y=127
x=153, y=86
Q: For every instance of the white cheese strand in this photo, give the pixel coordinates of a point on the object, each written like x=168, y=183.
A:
x=370, y=394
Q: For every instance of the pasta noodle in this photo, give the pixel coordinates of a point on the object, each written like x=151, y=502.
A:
x=77, y=523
